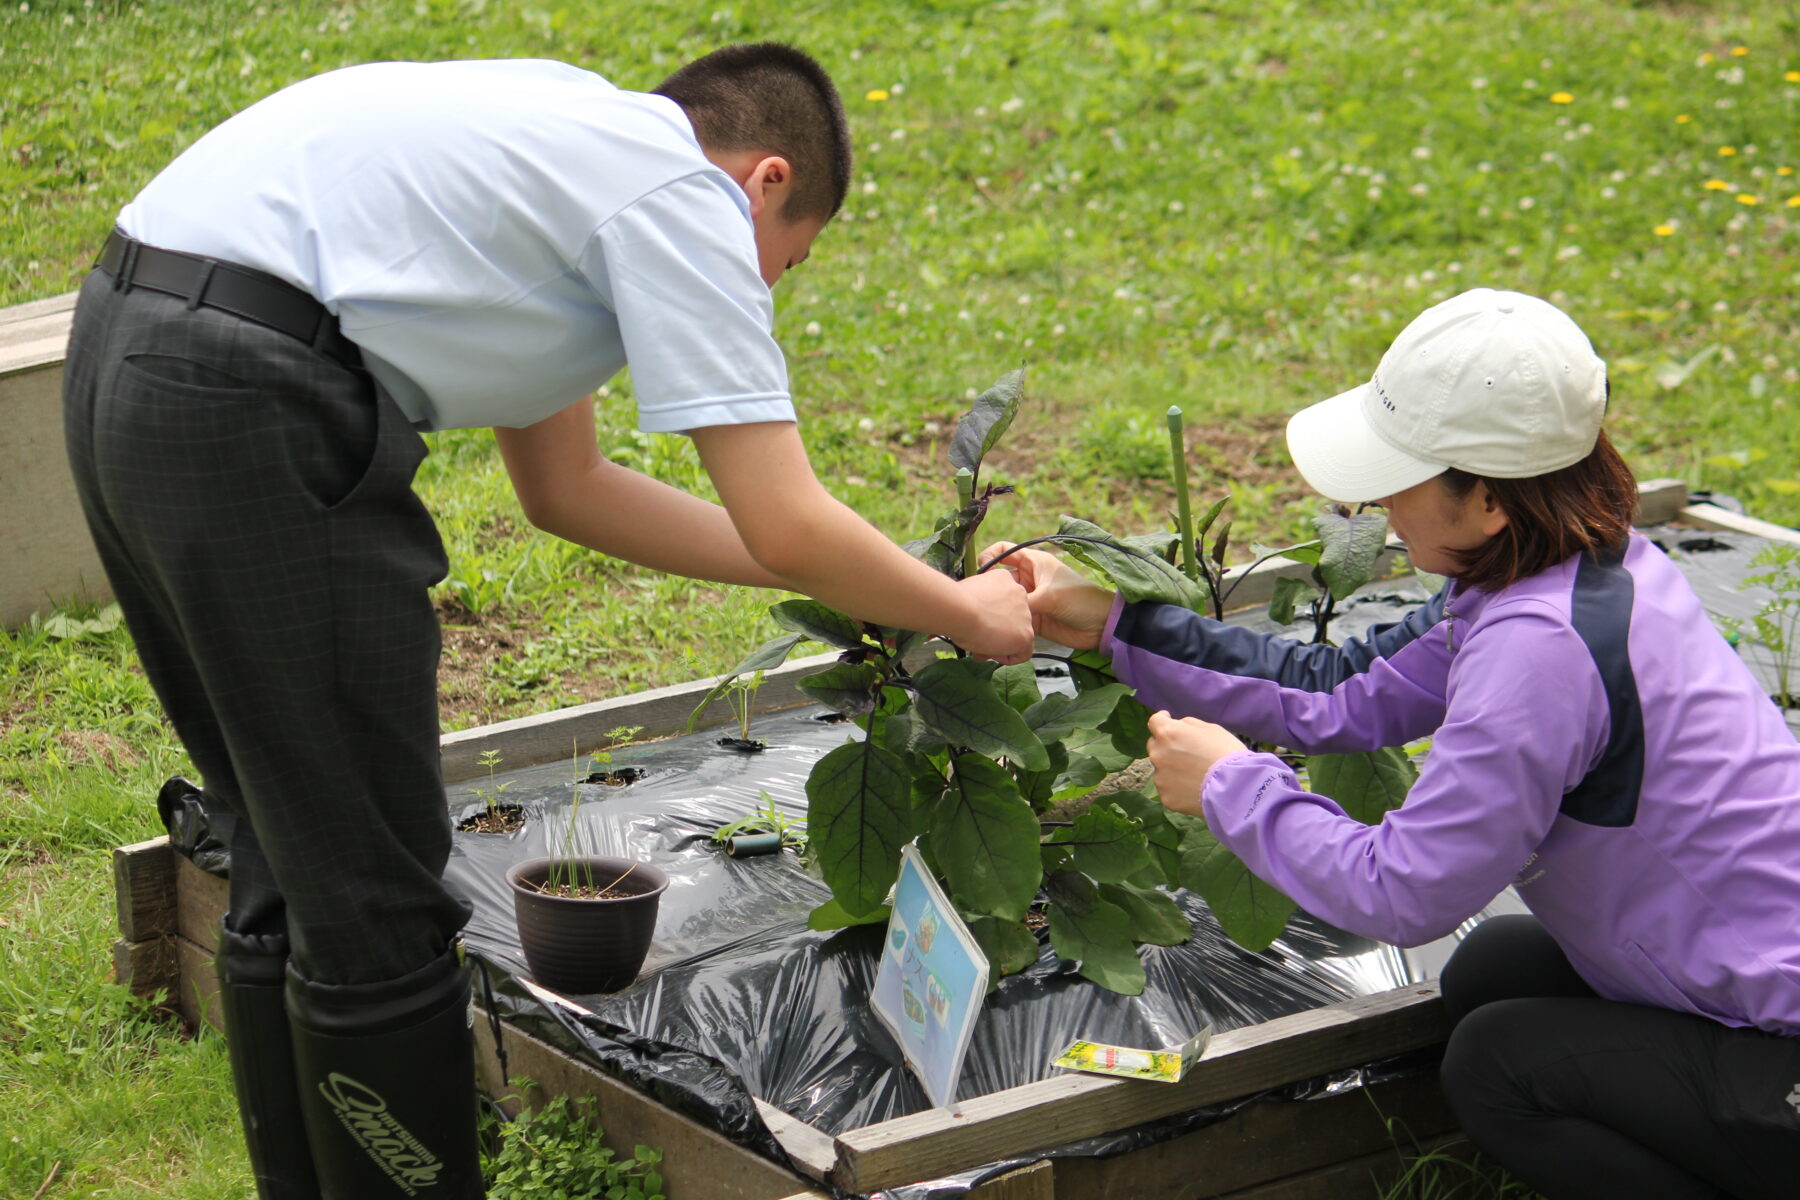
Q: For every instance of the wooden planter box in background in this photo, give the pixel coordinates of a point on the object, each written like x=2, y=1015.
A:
x=169, y=913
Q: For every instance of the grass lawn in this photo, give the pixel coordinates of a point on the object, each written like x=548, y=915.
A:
x=1232, y=208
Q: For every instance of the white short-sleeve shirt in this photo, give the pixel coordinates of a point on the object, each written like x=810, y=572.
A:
x=498, y=237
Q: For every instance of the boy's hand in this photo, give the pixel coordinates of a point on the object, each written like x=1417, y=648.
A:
x=1182, y=751
x=1001, y=628
x=1067, y=606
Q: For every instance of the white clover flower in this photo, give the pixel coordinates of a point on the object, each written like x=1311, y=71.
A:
x=1418, y=189
x=814, y=329
x=1620, y=102
x=1058, y=330
x=1454, y=268
x=1527, y=203
x=1478, y=82
x=870, y=187
x=971, y=394
x=1374, y=193
x=932, y=428
x=1720, y=306
x=899, y=135
x=1013, y=105
x=1607, y=193
x=866, y=425
x=1568, y=252
x=1421, y=152
x=963, y=315
x=897, y=89
x=1530, y=83
x=1024, y=300
x=1484, y=167
x=1176, y=206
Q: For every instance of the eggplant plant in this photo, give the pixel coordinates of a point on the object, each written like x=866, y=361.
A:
x=971, y=758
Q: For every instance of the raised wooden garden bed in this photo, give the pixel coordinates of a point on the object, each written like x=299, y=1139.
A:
x=169, y=913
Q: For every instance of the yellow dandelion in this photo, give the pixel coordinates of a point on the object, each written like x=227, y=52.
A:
x=1727, y=151
x=1747, y=198
x=1739, y=51
x=1716, y=185
x=1792, y=77
x=1683, y=119
x=1784, y=170
x=877, y=94
x=1663, y=230
x=1562, y=98
x=1705, y=57
x=1793, y=201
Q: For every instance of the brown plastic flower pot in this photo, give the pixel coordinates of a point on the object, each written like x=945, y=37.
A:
x=581, y=945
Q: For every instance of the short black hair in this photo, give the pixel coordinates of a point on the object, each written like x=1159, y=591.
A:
x=771, y=97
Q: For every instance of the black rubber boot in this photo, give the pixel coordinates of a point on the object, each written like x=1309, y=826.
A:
x=387, y=1084
x=252, y=998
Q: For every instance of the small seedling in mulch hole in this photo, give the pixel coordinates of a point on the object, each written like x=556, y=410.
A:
x=610, y=776
x=740, y=694
x=497, y=817
x=1776, y=626
x=831, y=718
x=766, y=820
x=571, y=876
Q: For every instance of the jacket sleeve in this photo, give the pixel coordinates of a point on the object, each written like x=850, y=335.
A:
x=1383, y=689
x=1526, y=720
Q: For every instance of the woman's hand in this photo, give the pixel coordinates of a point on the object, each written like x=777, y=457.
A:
x=1066, y=606
x=1183, y=750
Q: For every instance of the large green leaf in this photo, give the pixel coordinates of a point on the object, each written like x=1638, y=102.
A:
x=984, y=838
x=1251, y=912
x=956, y=697
x=1057, y=715
x=1097, y=744
x=1155, y=917
x=1365, y=783
x=1104, y=844
x=1097, y=934
x=771, y=653
x=1040, y=787
x=1161, y=833
x=1352, y=544
x=848, y=688
x=1138, y=576
x=1288, y=591
x=982, y=427
x=1017, y=685
x=859, y=814
x=832, y=915
x=818, y=622
x=1009, y=945
x=1129, y=726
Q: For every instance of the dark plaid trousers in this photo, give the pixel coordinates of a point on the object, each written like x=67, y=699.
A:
x=252, y=503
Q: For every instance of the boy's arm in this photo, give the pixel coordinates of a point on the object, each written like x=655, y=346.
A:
x=569, y=489
x=795, y=528
x=779, y=529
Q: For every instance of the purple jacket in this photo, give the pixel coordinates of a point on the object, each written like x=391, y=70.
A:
x=1595, y=743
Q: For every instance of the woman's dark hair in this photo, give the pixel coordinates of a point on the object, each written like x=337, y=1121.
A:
x=771, y=98
x=1584, y=507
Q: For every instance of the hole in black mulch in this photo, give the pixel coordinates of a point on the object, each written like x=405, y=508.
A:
x=831, y=718
x=1660, y=544
x=502, y=818
x=1702, y=545
x=1052, y=672
x=744, y=745
x=617, y=776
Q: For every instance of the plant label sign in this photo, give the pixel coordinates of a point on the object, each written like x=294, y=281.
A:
x=932, y=979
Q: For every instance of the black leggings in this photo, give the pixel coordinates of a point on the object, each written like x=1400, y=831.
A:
x=1587, y=1099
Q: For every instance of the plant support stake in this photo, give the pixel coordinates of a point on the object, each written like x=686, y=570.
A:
x=1184, y=513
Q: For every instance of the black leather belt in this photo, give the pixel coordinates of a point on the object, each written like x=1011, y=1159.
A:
x=241, y=291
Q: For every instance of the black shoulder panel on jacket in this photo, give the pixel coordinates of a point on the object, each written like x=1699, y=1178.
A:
x=1601, y=613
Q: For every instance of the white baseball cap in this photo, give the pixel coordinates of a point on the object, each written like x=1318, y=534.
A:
x=1498, y=384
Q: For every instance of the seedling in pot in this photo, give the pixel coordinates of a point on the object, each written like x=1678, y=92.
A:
x=497, y=817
